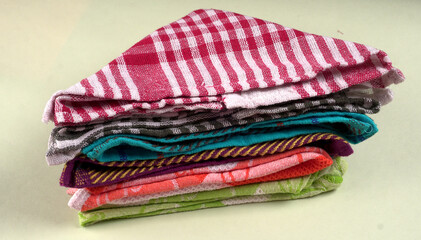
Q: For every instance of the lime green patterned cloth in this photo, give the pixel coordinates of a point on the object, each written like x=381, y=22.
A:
x=325, y=180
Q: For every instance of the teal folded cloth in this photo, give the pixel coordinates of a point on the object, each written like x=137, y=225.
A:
x=353, y=127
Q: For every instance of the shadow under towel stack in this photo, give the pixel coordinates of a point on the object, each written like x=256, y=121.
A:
x=215, y=109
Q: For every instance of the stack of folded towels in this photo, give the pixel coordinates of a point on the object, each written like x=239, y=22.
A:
x=215, y=109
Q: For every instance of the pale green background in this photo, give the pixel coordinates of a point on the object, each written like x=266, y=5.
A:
x=50, y=45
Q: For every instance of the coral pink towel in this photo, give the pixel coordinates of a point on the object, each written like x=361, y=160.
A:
x=295, y=163
x=213, y=59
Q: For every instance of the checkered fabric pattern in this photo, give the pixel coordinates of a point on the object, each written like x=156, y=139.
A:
x=211, y=59
x=65, y=143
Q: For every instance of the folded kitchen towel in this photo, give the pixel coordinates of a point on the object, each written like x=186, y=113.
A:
x=322, y=181
x=85, y=172
x=353, y=127
x=214, y=59
x=215, y=109
x=295, y=163
x=66, y=142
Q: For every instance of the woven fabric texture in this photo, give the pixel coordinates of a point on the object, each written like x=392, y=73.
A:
x=66, y=140
x=85, y=172
x=295, y=163
x=214, y=59
x=322, y=181
x=353, y=127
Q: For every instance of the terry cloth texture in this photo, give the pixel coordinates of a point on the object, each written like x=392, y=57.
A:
x=85, y=172
x=322, y=181
x=66, y=142
x=295, y=163
x=214, y=59
x=353, y=127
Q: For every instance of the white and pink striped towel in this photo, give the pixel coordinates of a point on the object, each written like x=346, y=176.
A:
x=213, y=59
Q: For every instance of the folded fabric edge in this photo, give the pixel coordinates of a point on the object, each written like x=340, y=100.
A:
x=214, y=185
x=49, y=108
x=78, y=199
x=61, y=158
x=340, y=165
x=253, y=97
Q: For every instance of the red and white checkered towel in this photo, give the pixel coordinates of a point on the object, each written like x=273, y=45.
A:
x=213, y=59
